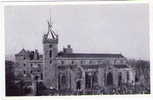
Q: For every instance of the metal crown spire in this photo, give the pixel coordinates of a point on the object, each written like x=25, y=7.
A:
x=51, y=33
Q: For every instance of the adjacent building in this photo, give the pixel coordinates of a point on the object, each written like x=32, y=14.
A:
x=73, y=71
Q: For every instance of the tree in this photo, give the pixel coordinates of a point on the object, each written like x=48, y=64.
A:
x=11, y=88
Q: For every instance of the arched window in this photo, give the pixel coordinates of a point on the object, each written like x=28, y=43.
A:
x=109, y=79
x=87, y=80
x=50, y=61
x=120, y=79
x=41, y=76
x=95, y=79
x=127, y=76
x=50, y=53
x=63, y=80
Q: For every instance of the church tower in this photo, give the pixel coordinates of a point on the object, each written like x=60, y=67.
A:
x=50, y=49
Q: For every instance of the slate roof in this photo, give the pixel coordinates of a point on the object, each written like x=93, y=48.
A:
x=22, y=52
x=120, y=66
x=89, y=55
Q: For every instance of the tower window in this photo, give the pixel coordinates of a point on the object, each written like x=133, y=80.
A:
x=50, y=53
x=41, y=76
x=31, y=65
x=50, y=62
x=24, y=65
x=50, y=46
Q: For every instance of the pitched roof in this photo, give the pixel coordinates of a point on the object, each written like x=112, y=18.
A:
x=120, y=66
x=22, y=52
x=89, y=55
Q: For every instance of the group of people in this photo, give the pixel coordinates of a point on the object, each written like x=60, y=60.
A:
x=109, y=90
x=125, y=89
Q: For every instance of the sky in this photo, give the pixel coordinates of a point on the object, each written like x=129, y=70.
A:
x=118, y=28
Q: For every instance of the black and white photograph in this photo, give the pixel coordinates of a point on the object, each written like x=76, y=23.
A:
x=69, y=50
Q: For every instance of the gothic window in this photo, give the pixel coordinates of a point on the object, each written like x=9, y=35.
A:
x=50, y=53
x=63, y=79
x=120, y=79
x=50, y=46
x=24, y=57
x=87, y=81
x=95, y=79
x=24, y=65
x=41, y=76
x=24, y=72
x=127, y=76
x=109, y=79
x=50, y=62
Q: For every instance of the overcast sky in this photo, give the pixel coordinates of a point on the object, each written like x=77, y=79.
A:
x=88, y=28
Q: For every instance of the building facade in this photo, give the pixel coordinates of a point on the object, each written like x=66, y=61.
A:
x=73, y=71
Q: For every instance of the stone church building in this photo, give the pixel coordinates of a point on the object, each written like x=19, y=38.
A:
x=75, y=71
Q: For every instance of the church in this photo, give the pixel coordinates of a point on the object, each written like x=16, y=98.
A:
x=67, y=70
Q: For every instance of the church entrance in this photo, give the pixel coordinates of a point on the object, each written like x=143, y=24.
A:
x=78, y=85
x=120, y=79
x=109, y=79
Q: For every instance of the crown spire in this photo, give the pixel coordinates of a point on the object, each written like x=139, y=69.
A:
x=51, y=34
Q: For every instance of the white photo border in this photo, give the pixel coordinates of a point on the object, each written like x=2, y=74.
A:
x=97, y=97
